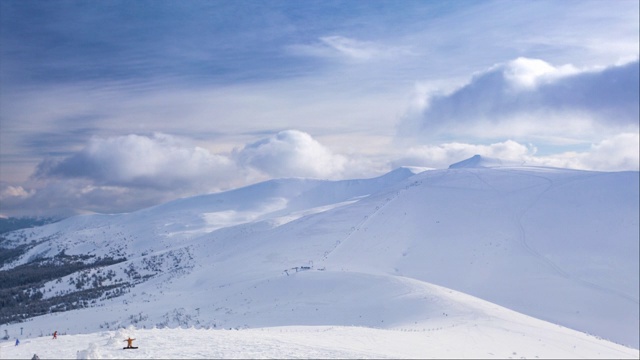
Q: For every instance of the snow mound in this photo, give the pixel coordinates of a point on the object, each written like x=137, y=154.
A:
x=91, y=352
x=478, y=161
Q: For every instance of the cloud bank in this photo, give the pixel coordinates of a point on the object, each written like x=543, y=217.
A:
x=529, y=99
x=163, y=161
x=617, y=153
x=159, y=161
x=126, y=173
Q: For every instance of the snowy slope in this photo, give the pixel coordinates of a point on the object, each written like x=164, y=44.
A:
x=555, y=244
x=164, y=225
x=466, y=328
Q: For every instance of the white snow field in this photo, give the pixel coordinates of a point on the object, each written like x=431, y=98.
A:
x=481, y=260
x=513, y=337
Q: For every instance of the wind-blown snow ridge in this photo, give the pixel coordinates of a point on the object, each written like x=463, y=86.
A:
x=558, y=245
x=478, y=161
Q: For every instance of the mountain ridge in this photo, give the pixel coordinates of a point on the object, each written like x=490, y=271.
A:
x=489, y=232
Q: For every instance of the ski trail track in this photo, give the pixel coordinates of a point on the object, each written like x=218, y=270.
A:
x=367, y=218
x=517, y=217
x=522, y=236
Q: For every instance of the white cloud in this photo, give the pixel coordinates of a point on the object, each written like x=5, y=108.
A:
x=159, y=161
x=443, y=155
x=621, y=152
x=291, y=153
x=528, y=99
x=527, y=74
x=349, y=49
x=165, y=162
x=8, y=191
x=125, y=173
x=616, y=153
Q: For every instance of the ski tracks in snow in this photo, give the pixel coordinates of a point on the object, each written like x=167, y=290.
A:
x=367, y=218
x=522, y=237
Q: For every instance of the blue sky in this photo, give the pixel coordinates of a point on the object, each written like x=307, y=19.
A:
x=115, y=105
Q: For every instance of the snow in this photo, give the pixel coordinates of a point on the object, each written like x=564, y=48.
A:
x=480, y=260
x=484, y=331
x=479, y=161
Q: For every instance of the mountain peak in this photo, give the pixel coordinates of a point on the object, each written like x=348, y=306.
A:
x=477, y=161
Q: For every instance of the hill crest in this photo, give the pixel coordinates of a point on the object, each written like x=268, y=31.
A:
x=535, y=240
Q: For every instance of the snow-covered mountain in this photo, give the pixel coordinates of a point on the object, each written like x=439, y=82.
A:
x=412, y=250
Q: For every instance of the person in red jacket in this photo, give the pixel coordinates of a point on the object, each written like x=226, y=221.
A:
x=55, y=334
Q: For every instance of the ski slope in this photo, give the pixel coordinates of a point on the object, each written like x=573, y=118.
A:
x=460, y=326
x=472, y=257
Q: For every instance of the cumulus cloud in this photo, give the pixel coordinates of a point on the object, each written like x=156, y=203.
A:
x=531, y=99
x=527, y=74
x=160, y=161
x=616, y=153
x=442, y=155
x=125, y=173
x=291, y=153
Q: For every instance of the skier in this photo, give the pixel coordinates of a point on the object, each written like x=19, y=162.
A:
x=17, y=342
x=55, y=334
x=129, y=341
